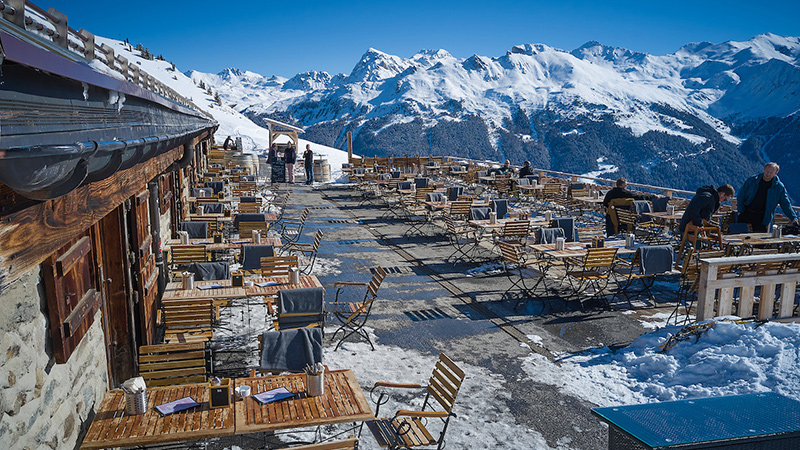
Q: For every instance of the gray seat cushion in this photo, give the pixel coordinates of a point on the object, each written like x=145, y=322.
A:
x=252, y=254
x=291, y=350
x=196, y=230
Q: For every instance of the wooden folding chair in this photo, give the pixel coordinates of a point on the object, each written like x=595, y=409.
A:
x=591, y=272
x=463, y=240
x=346, y=444
x=182, y=255
x=706, y=236
x=187, y=320
x=353, y=315
x=308, y=250
x=278, y=266
x=291, y=230
x=512, y=231
x=169, y=364
x=249, y=208
x=246, y=228
x=406, y=429
x=522, y=272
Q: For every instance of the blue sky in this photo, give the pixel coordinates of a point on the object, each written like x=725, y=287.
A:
x=287, y=38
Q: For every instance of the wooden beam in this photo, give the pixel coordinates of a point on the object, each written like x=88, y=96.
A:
x=31, y=235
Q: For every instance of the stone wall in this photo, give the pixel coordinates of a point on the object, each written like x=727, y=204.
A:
x=44, y=405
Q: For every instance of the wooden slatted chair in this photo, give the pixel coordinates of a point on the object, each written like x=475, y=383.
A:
x=249, y=208
x=291, y=230
x=278, y=266
x=308, y=250
x=525, y=275
x=512, y=231
x=406, y=429
x=591, y=272
x=249, y=186
x=706, y=236
x=463, y=240
x=169, y=364
x=459, y=210
x=246, y=228
x=187, y=320
x=353, y=315
x=182, y=255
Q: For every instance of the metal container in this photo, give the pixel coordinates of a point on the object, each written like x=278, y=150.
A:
x=777, y=231
x=256, y=237
x=184, y=237
x=315, y=384
x=560, y=243
x=294, y=275
x=135, y=402
x=630, y=239
x=188, y=280
x=671, y=210
x=492, y=217
x=548, y=216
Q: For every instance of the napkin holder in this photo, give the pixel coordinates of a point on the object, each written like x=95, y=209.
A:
x=220, y=394
x=237, y=279
x=218, y=238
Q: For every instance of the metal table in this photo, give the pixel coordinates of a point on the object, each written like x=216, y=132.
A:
x=741, y=422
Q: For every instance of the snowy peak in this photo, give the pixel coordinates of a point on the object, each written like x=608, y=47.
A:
x=309, y=81
x=429, y=58
x=376, y=65
x=598, y=53
x=757, y=50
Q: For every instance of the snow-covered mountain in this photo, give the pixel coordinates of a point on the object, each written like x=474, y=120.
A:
x=708, y=113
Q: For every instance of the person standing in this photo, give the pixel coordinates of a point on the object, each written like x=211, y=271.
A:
x=704, y=204
x=308, y=162
x=290, y=156
x=760, y=195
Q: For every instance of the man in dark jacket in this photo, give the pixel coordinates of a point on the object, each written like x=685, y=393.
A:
x=704, y=204
x=620, y=190
x=525, y=170
x=760, y=195
x=308, y=163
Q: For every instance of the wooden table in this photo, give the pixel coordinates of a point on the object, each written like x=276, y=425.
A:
x=227, y=244
x=342, y=402
x=577, y=249
x=500, y=223
x=111, y=427
x=757, y=239
x=306, y=281
x=175, y=291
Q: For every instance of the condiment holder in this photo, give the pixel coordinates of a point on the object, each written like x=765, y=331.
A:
x=315, y=380
x=630, y=239
x=560, y=243
x=256, y=237
x=492, y=217
x=188, y=280
x=671, y=210
x=294, y=275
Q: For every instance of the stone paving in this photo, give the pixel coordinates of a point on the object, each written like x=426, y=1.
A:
x=431, y=306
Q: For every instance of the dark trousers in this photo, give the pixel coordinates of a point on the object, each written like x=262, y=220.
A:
x=309, y=173
x=754, y=219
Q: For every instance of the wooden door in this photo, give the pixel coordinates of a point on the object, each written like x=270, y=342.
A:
x=118, y=324
x=144, y=266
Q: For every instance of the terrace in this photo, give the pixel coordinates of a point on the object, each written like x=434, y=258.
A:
x=472, y=308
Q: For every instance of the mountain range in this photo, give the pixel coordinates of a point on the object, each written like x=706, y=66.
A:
x=706, y=114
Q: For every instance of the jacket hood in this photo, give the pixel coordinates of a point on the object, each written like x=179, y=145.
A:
x=709, y=189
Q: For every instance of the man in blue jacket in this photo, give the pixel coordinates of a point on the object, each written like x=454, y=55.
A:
x=760, y=195
x=704, y=204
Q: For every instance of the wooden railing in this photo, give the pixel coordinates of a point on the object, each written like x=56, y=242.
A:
x=725, y=280
x=52, y=24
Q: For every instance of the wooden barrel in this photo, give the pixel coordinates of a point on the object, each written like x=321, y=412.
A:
x=322, y=171
x=246, y=160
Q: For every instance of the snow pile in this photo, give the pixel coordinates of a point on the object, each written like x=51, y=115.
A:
x=726, y=358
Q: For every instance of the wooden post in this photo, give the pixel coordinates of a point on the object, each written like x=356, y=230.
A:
x=705, y=294
x=349, y=145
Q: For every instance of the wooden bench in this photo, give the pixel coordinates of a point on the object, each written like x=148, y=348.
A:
x=168, y=364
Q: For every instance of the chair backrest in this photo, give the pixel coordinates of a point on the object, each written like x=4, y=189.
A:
x=523, y=182
x=422, y=182
x=375, y=282
x=252, y=254
x=250, y=199
x=317, y=240
x=277, y=266
x=548, y=235
x=435, y=197
x=516, y=229
x=187, y=254
x=290, y=350
x=626, y=217
x=551, y=190
x=168, y=364
x=196, y=230
x=197, y=192
x=453, y=192
x=421, y=194
x=655, y=259
x=249, y=208
x=301, y=307
x=213, y=208
x=511, y=254
x=568, y=225
x=500, y=208
x=479, y=213
x=599, y=257
x=246, y=228
x=586, y=234
x=445, y=383
x=460, y=208
x=203, y=271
